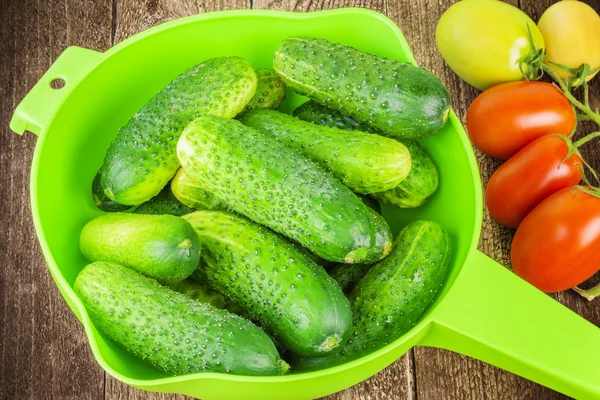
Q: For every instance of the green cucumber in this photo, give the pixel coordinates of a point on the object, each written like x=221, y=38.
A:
x=364, y=162
x=314, y=112
x=419, y=185
x=169, y=330
x=273, y=281
x=383, y=234
x=388, y=301
x=204, y=293
x=270, y=91
x=142, y=159
x=190, y=193
x=200, y=290
x=164, y=203
x=348, y=275
x=101, y=200
x=415, y=189
x=274, y=185
x=398, y=99
x=163, y=247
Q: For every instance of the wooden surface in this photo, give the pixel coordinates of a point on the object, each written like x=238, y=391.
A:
x=43, y=350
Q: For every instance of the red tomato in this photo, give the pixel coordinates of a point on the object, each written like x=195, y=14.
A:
x=504, y=119
x=557, y=245
x=537, y=171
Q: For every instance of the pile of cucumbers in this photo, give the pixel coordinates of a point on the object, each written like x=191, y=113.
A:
x=237, y=235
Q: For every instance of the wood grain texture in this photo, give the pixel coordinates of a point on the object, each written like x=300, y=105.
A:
x=43, y=350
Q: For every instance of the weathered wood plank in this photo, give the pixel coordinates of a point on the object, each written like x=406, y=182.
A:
x=44, y=352
x=134, y=16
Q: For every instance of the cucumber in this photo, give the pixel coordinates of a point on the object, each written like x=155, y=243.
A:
x=190, y=193
x=348, y=275
x=204, y=293
x=270, y=91
x=388, y=301
x=314, y=112
x=169, y=330
x=142, y=159
x=273, y=281
x=364, y=162
x=383, y=234
x=102, y=201
x=164, y=203
x=420, y=183
x=397, y=99
x=274, y=185
x=163, y=247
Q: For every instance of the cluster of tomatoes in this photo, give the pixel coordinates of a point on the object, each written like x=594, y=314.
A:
x=531, y=124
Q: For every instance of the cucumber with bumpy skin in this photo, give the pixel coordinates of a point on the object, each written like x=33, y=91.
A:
x=274, y=185
x=364, y=162
x=189, y=192
x=348, y=275
x=169, y=330
x=204, y=293
x=316, y=113
x=164, y=203
x=270, y=91
x=101, y=200
x=388, y=301
x=142, y=158
x=163, y=247
x=398, y=99
x=273, y=281
x=422, y=179
x=421, y=182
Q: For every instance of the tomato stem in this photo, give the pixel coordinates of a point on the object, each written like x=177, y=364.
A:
x=532, y=61
x=582, y=117
x=590, y=293
x=586, y=139
x=584, y=108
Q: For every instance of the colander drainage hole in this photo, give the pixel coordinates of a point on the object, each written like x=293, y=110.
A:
x=57, y=83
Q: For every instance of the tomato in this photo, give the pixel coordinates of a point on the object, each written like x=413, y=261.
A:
x=557, y=245
x=539, y=170
x=504, y=119
x=572, y=33
x=483, y=41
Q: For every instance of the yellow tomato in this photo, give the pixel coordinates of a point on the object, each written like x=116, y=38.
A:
x=572, y=33
x=484, y=40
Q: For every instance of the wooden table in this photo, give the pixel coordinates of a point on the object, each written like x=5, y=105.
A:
x=43, y=350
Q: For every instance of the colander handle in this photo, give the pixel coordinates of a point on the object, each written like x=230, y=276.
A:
x=490, y=314
x=39, y=106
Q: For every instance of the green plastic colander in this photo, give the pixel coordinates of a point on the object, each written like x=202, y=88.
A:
x=484, y=311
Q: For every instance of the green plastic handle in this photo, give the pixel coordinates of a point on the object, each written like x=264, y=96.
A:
x=40, y=105
x=494, y=316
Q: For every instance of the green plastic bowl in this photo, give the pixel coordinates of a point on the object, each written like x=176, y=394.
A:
x=483, y=311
